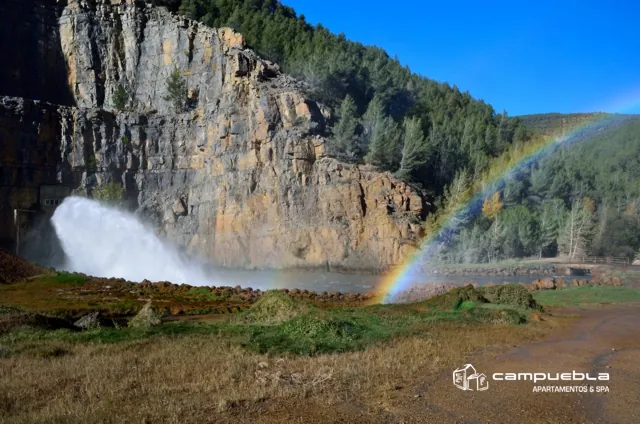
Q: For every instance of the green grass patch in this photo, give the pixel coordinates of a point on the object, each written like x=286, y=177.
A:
x=279, y=324
x=64, y=278
x=203, y=293
x=575, y=296
x=467, y=305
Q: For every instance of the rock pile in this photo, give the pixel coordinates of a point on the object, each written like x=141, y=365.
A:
x=561, y=283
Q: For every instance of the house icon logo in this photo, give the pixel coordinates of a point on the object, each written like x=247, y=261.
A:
x=466, y=378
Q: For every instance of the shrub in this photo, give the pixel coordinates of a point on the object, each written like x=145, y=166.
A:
x=110, y=192
x=176, y=91
x=92, y=162
x=145, y=319
x=455, y=299
x=120, y=98
x=274, y=307
x=514, y=295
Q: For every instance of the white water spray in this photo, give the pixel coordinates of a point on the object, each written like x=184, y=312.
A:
x=105, y=242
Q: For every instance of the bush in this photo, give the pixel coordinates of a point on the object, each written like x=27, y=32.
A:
x=274, y=307
x=120, y=98
x=176, y=91
x=92, y=162
x=514, y=295
x=110, y=192
x=145, y=319
x=455, y=299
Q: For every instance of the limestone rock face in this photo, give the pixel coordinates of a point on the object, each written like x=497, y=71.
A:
x=243, y=177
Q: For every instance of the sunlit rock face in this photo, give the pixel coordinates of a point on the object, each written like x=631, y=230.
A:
x=243, y=177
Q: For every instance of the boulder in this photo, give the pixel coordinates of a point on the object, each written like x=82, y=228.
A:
x=91, y=320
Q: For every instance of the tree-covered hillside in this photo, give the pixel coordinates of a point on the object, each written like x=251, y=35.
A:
x=547, y=124
x=580, y=199
x=382, y=113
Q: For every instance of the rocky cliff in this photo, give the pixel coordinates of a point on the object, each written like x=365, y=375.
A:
x=244, y=177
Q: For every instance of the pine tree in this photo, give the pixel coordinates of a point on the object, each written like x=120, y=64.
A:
x=384, y=149
x=334, y=67
x=371, y=119
x=414, y=150
x=345, y=132
x=189, y=8
x=374, y=133
x=456, y=195
x=176, y=91
x=120, y=98
x=513, y=192
x=551, y=219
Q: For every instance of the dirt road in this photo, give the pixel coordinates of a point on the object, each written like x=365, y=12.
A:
x=604, y=339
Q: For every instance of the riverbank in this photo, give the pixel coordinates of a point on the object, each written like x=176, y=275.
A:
x=506, y=268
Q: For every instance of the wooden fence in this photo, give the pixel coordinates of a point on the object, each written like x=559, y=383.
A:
x=603, y=260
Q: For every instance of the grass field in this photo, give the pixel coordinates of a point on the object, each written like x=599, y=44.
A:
x=277, y=352
x=576, y=296
x=277, y=324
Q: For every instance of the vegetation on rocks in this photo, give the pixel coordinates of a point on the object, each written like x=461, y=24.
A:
x=120, y=98
x=177, y=91
x=110, y=192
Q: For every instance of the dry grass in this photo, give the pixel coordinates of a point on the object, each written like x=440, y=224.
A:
x=207, y=379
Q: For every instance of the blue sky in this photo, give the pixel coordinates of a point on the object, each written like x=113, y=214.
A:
x=548, y=56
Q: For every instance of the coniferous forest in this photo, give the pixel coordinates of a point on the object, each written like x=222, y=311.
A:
x=382, y=113
x=584, y=199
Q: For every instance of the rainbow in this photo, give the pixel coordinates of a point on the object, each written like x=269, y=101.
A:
x=413, y=269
